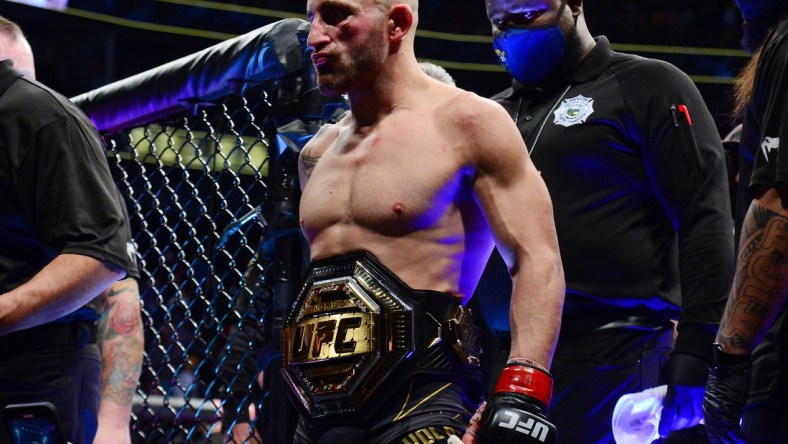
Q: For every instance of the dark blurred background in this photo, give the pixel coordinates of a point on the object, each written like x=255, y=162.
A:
x=93, y=42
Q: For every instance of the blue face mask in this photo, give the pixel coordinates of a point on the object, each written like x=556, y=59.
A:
x=530, y=54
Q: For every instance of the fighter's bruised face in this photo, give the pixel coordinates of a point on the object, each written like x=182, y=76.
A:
x=348, y=40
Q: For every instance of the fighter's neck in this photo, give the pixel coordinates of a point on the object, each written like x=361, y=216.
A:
x=369, y=109
x=391, y=90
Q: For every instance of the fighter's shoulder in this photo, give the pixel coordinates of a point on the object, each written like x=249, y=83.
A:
x=484, y=127
x=469, y=110
x=320, y=142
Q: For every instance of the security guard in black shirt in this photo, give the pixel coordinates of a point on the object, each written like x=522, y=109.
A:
x=636, y=170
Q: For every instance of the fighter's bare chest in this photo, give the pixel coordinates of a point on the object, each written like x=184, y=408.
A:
x=380, y=180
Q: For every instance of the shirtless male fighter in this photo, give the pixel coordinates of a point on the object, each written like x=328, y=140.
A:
x=403, y=201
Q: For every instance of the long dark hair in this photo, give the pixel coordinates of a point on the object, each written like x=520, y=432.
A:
x=755, y=32
x=743, y=86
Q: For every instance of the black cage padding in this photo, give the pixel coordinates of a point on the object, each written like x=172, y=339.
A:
x=270, y=52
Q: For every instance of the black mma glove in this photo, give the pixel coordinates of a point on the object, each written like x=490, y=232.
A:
x=685, y=376
x=726, y=395
x=516, y=413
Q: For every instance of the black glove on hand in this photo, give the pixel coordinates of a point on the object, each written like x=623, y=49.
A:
x=726, y=395
x=685, y=376
x=516, y=413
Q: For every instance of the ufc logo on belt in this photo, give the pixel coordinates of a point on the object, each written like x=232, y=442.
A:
x=532, y=426
x=332, y=336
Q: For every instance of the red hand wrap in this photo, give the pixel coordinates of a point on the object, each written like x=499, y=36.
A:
x=527, y=381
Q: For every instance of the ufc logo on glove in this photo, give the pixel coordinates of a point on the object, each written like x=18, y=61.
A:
x=532, y=426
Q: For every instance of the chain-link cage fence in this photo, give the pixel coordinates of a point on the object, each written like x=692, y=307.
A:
x=185, y=179
x=212, y=192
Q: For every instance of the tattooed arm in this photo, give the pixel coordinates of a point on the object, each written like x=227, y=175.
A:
x=760, y=287
x=757, y=299
x=306, y=163
x=315, y=148
x=121, y=343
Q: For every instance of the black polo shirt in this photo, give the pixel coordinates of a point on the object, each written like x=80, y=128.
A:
x=636, y=171
x=56, y=192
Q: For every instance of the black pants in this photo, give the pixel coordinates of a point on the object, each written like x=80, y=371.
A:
x=594, y=370
x=765, y=418
x=68, y=377
x=429, y=409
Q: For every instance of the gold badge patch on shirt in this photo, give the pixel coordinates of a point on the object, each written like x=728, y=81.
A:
x=573, y=111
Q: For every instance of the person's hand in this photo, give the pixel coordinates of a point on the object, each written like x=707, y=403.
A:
x=726, y=395
x=516, y=413
x=113, y=423
x=112, y=433
x=469, y=437
x=685, y=376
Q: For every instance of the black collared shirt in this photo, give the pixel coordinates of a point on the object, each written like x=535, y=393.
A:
x=766, y=122
x=56, y=192
x=636, y=172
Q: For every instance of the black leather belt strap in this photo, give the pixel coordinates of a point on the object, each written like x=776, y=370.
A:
x=635, y=323
x=583, y=316
x=78, y=333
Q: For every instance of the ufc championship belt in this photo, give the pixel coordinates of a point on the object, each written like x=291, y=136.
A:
x=357, y=333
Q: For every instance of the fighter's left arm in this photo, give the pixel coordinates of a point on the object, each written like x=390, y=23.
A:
x=518, y=209
x=519, y=212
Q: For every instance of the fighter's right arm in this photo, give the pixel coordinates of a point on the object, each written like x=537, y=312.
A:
x=759, y=295
x=310, y=154
x=307, y=160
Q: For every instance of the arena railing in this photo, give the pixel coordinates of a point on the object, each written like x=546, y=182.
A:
x=204, y=151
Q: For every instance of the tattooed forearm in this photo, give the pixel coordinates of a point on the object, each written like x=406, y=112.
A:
x=121, y=343
x=759, y=289
x=123, y=312
x=120, y=379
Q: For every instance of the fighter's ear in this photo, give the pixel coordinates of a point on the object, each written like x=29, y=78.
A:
x=401, y=19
